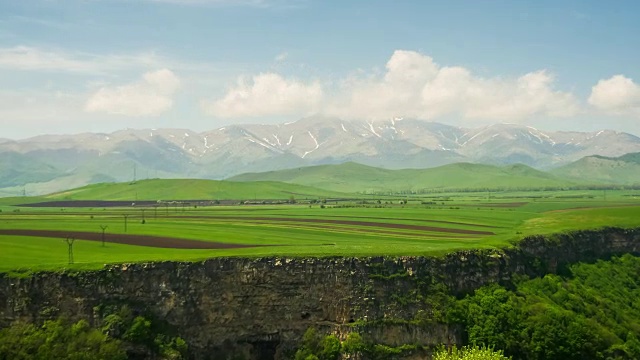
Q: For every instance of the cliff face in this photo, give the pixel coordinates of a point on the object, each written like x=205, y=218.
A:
x=259, y=308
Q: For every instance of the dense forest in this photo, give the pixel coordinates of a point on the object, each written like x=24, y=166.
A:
x=591, y=313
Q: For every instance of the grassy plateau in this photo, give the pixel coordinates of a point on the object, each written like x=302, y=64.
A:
x=305, y=221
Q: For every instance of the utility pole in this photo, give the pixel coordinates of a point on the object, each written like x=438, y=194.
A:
x=69, y=240
x=134, y=172
x=125, y=222
x=103, y=227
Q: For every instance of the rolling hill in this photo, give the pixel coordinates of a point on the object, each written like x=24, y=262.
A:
x=49, y=163
x=353, y=177
x=192, y=189
x=622, y=170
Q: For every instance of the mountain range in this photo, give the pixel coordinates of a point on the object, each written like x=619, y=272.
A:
x=49, y=163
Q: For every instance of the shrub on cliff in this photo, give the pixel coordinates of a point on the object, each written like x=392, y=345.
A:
x=316, y=347
x=469, y=353
x=354, y=344
x=141, y=333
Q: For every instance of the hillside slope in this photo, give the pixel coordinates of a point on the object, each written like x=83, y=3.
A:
x=353, y=177
x=191, y=189
x=623, y=170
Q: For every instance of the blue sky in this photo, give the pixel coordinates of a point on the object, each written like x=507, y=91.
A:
x=69, y=66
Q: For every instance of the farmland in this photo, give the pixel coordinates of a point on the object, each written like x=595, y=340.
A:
x=33, y=238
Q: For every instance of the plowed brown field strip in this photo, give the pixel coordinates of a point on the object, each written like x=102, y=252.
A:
x=128, y=239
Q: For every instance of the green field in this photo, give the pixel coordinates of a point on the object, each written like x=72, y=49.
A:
x=365, y=226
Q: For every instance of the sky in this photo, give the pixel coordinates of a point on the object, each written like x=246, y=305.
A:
x=73, y=66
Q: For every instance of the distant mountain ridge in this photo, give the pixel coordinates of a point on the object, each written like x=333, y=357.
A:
x=54, y=162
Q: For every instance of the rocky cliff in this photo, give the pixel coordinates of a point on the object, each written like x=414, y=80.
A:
x=259, y=308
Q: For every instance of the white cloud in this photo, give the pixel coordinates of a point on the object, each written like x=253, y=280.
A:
x=617, y=95
x=265, y=95
x=35, y=59
x=151, y=96
x=413, y=85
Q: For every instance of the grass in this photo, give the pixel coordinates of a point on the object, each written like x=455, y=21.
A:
x=357, y=178
x=367, y=227
x=19, y=254
x=575, y=219
x=191, y=189
x=622, y=170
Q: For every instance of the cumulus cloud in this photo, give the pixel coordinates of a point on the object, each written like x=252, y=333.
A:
x=415, y=86
x=265, y=95
x=412, y=85
x=617, y=95
x=150, y=96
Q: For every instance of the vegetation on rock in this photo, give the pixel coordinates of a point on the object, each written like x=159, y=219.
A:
x=121, y=336
x=469, y=353
x=592, y=314
x=316, y=347
x=58, y=339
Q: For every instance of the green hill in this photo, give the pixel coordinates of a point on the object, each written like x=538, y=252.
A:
x=623, y=170
x=191, y=189
x=352, y=177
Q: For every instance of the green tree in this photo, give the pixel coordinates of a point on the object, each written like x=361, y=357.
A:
x=316, y=347
x=58, y=340
x=330, y=348
x=592, y=312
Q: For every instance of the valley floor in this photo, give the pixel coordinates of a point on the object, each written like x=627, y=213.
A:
x=33, y=238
